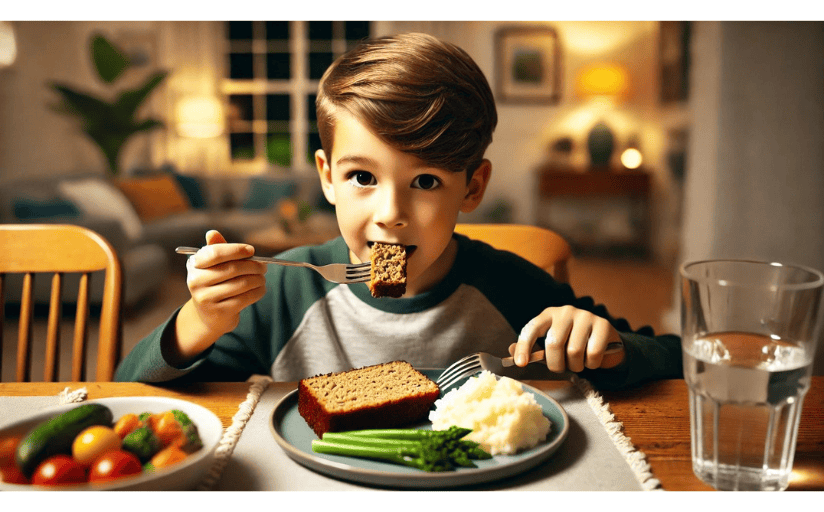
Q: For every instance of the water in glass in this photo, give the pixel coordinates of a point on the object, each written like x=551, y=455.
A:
x=746, y=395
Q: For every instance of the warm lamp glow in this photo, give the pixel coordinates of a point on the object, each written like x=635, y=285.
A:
x=631, y=158
x=8, y=45
x=603, y=80
x=199, y=117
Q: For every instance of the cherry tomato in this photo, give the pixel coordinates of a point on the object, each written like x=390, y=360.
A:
x=126, y=424
x=12, y=475
x=59, y=470
x=93, y=442
x=113, y=465
x=7, y=447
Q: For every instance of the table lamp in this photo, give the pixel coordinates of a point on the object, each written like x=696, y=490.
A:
x=199, y=117
x=604, y=81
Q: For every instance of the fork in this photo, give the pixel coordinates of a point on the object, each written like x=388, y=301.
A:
x=473, y=363
x=335, y=272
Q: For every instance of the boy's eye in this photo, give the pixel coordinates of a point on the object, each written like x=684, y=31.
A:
x=426, y=182
x=361, y=178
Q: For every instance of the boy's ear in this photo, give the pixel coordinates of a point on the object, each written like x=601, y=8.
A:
x=476, y=187
x=325, y=173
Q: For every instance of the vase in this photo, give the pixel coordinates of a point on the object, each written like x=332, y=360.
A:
x=601, y=144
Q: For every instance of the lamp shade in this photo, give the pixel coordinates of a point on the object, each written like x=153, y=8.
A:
x=8, y=44
x=603, y=80
x=199, y=117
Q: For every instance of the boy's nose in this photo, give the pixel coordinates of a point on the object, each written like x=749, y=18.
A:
x=390, y=212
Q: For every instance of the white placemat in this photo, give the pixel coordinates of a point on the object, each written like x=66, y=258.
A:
x=595, y=455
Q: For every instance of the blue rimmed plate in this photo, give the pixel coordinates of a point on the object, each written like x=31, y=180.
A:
x=295, y=437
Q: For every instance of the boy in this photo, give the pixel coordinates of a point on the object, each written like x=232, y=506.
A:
x=404, y=123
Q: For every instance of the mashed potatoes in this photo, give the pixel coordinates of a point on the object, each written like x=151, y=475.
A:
x=504, y=419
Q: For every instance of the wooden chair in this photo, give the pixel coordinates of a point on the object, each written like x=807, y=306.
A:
x=59, y=250
x=539, y=246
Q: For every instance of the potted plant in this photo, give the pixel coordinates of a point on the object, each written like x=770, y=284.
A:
x=109, y=123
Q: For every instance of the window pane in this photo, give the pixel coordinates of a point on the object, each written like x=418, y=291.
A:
x=310, y=107
x=277, y=66
x=318, y=62
x=277, y=30
x=279, y=149
x=240, y=66
x=240, y=112
x=314, y=145
x=356, y=30
x=320, y=30
x=278, y=107
x=239, y=29
x=242, y=146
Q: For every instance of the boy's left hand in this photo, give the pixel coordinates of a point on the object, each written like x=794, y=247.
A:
x=574, y=339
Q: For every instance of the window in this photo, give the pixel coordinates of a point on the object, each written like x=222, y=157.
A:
x=270, y=83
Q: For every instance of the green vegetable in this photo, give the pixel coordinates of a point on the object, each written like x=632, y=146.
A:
x=143, y=443
x=428, y=450
x=193, y=441
x=56, y=435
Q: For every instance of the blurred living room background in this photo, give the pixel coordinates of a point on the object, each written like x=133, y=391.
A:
x=644, y=143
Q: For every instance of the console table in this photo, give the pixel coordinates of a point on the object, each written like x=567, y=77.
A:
x=597, y=209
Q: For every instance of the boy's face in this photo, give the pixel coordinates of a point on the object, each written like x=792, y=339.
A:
x=384, y=195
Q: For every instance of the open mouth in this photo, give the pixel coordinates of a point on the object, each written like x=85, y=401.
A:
x=409, y=248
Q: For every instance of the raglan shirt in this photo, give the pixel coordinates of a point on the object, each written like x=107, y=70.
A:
x=305, y=325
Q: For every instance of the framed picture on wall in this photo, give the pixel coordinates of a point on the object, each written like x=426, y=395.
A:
x=527, y=65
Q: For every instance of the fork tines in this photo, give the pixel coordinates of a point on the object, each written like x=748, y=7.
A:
x=359, y=272
x=458, y=370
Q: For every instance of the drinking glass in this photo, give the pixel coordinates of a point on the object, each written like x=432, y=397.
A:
x=749, y=333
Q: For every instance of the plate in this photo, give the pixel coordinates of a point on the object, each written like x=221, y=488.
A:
x=183, y=476
x=295, y=437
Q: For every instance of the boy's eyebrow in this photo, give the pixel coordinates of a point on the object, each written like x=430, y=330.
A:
x=355, y=159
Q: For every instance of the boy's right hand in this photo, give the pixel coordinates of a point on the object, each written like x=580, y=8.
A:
x=222, y=282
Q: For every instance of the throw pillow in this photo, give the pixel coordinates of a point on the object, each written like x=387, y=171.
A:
x=192, y=189
x=98, y=197
x=29, y=209
x=265, y=193
x=156, y=197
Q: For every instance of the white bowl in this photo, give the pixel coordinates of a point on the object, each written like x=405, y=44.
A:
x=185, y=475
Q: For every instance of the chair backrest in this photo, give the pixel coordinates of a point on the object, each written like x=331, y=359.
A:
x=59, y=250
x=539, y=246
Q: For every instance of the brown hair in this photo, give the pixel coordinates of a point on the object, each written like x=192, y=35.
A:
x=422, y=96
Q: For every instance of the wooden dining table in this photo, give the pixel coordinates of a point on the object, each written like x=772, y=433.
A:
x=655, y=417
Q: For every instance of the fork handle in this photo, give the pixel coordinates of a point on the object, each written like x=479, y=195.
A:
x=262, y=259
x=540, y=355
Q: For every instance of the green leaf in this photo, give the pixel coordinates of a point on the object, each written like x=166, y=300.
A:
x=93, y=111
x=108, y=60
x=129, y=101
x=148, y=124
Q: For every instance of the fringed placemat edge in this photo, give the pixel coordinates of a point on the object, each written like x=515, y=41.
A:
x=636, y=459
x=227, y=443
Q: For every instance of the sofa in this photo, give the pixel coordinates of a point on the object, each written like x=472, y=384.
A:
x=145, y=216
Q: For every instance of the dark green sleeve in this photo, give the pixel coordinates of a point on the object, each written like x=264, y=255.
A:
x=235, y=356
x=648, y=356
x=145, y=362
x=524, y=291
x=263, y=329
